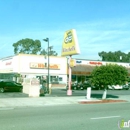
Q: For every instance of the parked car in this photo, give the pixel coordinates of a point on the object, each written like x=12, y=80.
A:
x=10, y=86
x=86, y=84
x=80, y=86
x=115, y=87
x=95, y=87
x=126, y=86
x=76, y=86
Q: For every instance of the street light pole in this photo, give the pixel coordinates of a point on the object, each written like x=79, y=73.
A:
x=48, y=79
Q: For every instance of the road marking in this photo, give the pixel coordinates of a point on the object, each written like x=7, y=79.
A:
x=97, y=118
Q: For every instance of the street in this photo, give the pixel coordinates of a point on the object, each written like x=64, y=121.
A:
x=107, y=116
x=65, y=117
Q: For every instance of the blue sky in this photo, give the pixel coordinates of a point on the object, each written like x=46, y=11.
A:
x=101, y=25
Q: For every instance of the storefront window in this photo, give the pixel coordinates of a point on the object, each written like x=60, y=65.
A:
x=60, y=78
x=7, y=76
x=74, y=78
x=54, y=79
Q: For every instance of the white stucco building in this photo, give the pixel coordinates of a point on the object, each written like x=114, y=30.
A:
x=29, y=65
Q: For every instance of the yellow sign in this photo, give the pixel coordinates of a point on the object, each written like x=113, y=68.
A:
x=35, y=65
x=72, y=63
x=70, y=44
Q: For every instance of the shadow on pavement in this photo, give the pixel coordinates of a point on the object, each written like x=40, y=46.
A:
x=58, y=93
x=94, y=94
x=100, y=96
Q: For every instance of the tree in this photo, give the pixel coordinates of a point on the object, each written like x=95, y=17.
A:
x=110, y=74
x=116, y=56
x=43, y=52
x=27, y=46
x=30, y=46
x=51, y=52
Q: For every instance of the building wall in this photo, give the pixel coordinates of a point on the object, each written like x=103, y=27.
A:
x=6, y=65
x=99, y=63
x=85, y=67
x=34, y=65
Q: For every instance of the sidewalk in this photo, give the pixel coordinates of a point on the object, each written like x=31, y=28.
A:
x=39, y=101
x=48, y=101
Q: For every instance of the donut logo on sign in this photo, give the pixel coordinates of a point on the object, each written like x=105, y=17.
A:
x=68, y=39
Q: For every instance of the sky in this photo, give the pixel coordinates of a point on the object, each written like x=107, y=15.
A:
x=101, y=25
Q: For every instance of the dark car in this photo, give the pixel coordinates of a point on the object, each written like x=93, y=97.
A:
x=73, y=86
x=76, y=86
x=86, y=84
x=126, y=86
x=10, y=86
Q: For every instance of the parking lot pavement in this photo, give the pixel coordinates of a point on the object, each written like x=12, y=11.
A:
x=13, y=95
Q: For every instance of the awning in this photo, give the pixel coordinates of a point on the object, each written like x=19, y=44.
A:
x=86, y=70
x=82, y=70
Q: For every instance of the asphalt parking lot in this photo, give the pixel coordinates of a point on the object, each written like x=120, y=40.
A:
x=13, y=95
x=63, y=93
